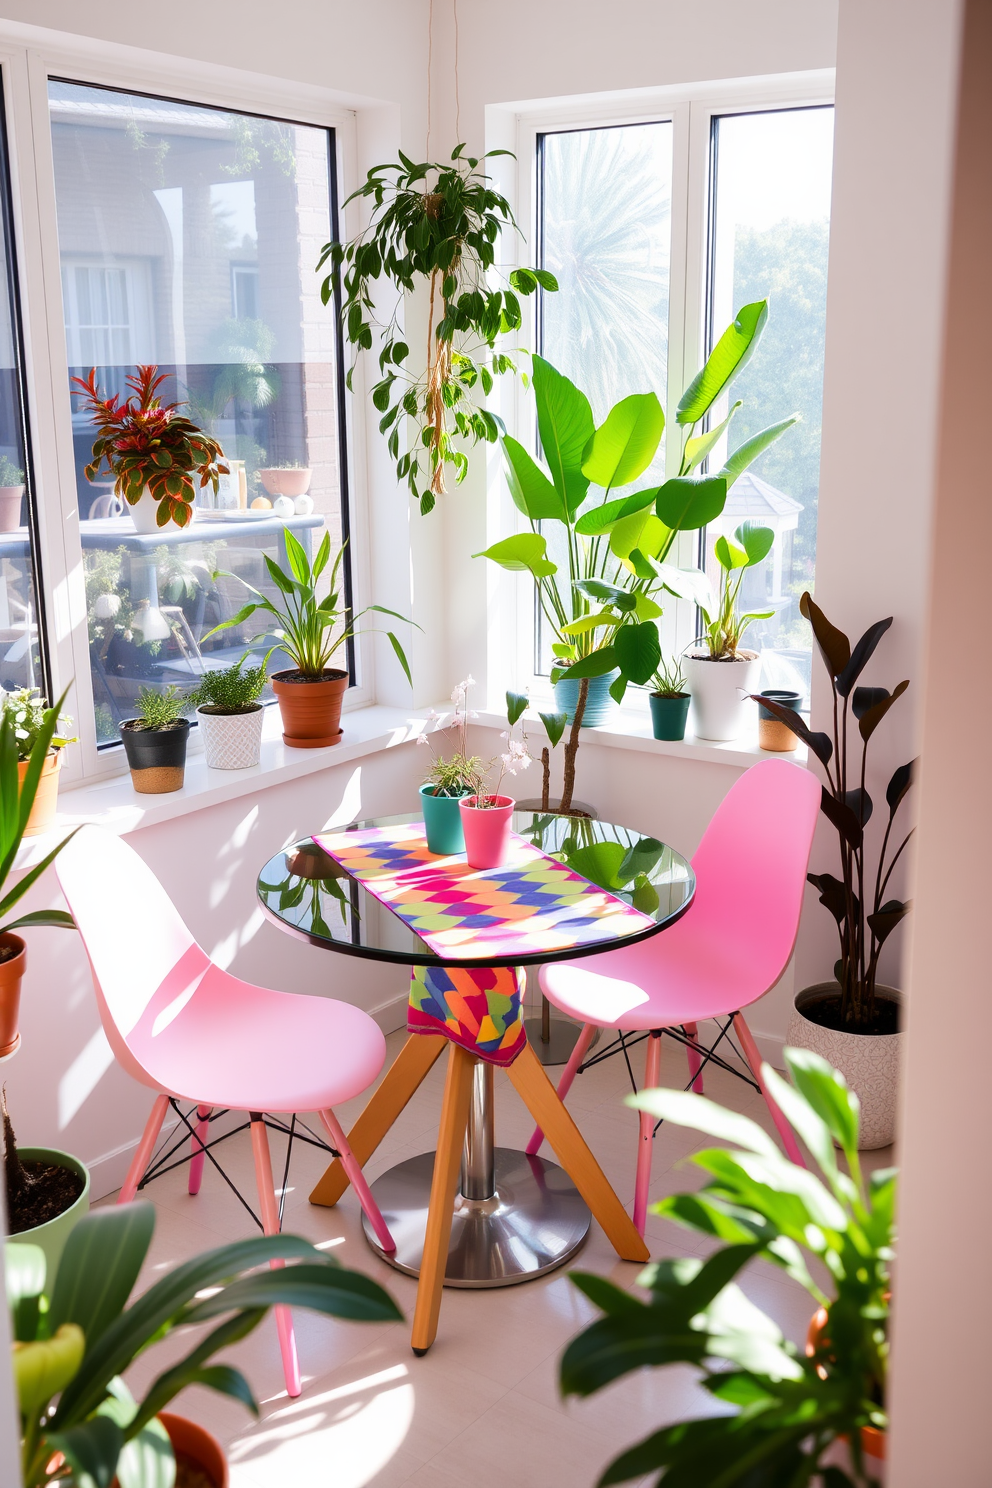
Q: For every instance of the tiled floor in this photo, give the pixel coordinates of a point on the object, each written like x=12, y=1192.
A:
x=482, y=1407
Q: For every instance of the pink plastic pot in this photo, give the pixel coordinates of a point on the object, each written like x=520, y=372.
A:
x=487, y=830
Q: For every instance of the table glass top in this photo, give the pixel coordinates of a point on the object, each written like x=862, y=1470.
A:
x=307, y=893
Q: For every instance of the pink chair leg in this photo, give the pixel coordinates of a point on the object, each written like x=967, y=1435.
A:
x=565, y=1083
x=270, y=1223
x=146, y=1146
x=197, y=1144
x=692, y=1054
x=357, y=1179
x=645, y=1137
x=754, y=1060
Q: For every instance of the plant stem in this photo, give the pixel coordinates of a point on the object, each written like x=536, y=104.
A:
x=572, y=748
x=546, y=782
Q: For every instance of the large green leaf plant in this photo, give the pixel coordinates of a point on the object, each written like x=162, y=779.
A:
x=16, y=799
x=75, y=1337
x=788, y=1409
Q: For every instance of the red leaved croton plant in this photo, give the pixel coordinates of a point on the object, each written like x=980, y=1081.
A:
x=149, y=443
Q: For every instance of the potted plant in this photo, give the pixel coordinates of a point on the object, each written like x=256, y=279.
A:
x=854, y=1020
x=723, y=677
x=448, y=779
x=155, y=741
x=11, y=494
x=159, y=459
x=773, y=734
x=311, y=631
x=668, y=700
x=787, y=1415
x=47, y=1191
x=603, y=615
x=230, y=714
x=485, y=813
x=29, y=714
x=75, y=1336
x=290, y=479
x=20, y=790
x=438, y=225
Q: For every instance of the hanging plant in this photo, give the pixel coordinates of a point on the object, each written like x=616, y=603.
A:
x=439, y=224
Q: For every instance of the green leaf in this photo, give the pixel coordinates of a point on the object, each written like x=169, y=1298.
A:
x=756, y=541
x=599, y=862
x=599, y=518
x=623, y=447
x=597, y=664
x=24, y=1271
x=827, y=1092
x=100, y=1264
x=638, y=651
x=532, y=492
x=322, y=1288
x=282, y=581
x=749, y=451
x=517, y=704
x=640, y=859
x=524, y=551
x=565, y=425
x=91, y=1449
x=147, y=1460
x=697, y=449
x=685, y=503
x=729, y=356
x=400, y=655
x=554, y=726
x=683, y=1108
x=53, y=918
x=729, y=555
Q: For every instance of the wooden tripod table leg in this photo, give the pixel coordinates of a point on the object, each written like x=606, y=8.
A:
x=541, y=1099
x=447, y=1162
x=407, y=1072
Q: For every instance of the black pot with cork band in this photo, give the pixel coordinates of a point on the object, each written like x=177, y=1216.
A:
x=773, y=734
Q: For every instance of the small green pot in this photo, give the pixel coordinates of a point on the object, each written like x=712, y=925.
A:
x=443, y=821
x=668, y=715
x=51, y=1237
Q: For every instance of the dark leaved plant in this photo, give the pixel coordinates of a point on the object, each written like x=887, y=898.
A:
x=857, y=900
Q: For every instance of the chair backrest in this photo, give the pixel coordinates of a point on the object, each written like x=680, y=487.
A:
x=751, y=866
x=139, y=949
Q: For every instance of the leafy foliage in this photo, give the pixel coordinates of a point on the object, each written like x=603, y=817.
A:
x=148, y=443
x=669, y=678
x=865, y=917
x=789, y=1407
x=233, y=689
x=72, y=1347
x=724, y=626
x=160, y=709
x=29, y=712
x=441, y=224
x=310, y=631
x=16, y=799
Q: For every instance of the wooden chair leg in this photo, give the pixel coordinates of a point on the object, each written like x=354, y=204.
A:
x=404, y=1077
x=447, y=1163
x=541, y=1099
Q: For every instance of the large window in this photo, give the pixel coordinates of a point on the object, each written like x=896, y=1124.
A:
x=188, y=238
x=611, y=205
x=21, y=652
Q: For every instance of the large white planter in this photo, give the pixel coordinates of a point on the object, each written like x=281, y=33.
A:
x=869, y=1063
x=720, y=691
x=143, y=515
x=232, y=741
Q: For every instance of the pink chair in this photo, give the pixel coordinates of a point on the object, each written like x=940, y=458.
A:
x=729, y=948
x=194, y=1032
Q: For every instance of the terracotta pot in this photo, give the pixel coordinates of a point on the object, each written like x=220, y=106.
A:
x=873, y=1440
x=487, y=830
x=196, y=1442
x=286, y=482
x=11, y=972
x=869, y=1062
x=311, y=711
x=10, y=507
x=42, y=816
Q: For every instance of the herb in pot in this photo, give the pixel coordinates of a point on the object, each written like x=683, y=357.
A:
x=11, y=475
x=233, y=689
x=30, y=715
x=159, y=710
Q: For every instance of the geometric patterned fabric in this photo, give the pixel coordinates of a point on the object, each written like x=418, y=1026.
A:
x=479, y=1007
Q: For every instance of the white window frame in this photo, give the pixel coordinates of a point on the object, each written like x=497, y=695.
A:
x=691, y=109
x=28, y=58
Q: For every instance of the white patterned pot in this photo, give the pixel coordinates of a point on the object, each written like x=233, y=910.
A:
x=232, y=741
x=720, y=692
x=869, y=1062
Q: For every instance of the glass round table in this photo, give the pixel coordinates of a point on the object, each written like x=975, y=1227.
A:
x=515, y=1216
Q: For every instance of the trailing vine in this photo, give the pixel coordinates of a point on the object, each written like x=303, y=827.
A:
x=439, y=224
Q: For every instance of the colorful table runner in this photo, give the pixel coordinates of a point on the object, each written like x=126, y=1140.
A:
x=530, y=904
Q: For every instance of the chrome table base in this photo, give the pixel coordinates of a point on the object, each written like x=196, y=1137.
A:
x=515, y=1217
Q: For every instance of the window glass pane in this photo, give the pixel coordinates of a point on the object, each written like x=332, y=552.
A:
x=771, y=227
x=20, y=641
x=188, y=239
x=605, y=233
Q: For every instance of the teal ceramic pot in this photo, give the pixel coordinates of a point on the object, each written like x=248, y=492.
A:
x=51, y=1237
x=668, y=715
x=599, y=705
x=443, y=822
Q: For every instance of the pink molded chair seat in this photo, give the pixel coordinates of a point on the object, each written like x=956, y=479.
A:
x=192, y=1031
x=728, y=949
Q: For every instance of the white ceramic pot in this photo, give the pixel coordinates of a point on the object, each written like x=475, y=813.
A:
x=232, y=741
x=869, y=1063
x=144, y=512
x=720, y=694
